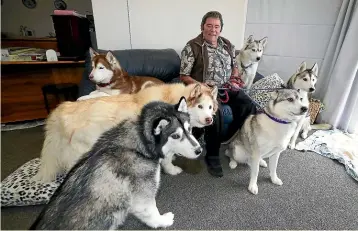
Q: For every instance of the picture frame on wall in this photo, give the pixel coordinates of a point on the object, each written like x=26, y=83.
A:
x=31, y=4
x=60, y=4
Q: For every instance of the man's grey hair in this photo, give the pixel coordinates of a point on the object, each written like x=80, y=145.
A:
x=212, y=14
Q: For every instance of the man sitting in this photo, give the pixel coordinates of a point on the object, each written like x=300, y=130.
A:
x=210, y=58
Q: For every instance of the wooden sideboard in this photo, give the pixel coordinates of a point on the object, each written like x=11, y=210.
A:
x=21, y=83
x=44, y=43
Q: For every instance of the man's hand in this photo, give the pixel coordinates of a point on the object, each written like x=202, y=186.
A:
x=186, y=79
x=235, y=71
x=236, y=82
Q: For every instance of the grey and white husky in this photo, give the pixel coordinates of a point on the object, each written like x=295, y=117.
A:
x=248, y=59
x=305, y=80
x=120, y=175
x=267, y=134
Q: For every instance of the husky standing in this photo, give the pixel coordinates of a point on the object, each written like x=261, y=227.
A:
x=248, y=59
x=267, y=134
x=120, y=175
x=305, y=80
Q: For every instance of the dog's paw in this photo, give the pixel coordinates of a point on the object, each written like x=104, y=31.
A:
x=233, y=164
x=84, y=98
x=276, y=181
x=167, y=219
x=291, y=146
x=175, y=170
x=253, y=189
x=263, y=163
x=303, y=135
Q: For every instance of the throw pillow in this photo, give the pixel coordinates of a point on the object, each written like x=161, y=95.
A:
x=258, y=90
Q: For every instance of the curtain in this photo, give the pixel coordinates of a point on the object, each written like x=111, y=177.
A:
x=337, y=85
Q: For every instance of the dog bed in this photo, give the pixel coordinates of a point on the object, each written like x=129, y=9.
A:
x=18, y=189
x=336, y=145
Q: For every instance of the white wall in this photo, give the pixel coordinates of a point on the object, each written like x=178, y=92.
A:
x=14, y=14
x=157, y=24
x=297, y=31
x=111, y=22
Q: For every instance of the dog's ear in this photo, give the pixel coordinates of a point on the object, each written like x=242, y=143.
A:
x=250, y=39
x=113, y=60
x=214, y=92
x=263, y=41
x=182, y=105
x=195, y=92
x=315, y=69
x=92, y=52
x=160, y=125
x=302, y=67
x=274, y=94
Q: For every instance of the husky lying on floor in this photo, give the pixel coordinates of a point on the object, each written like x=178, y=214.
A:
x=111, y=79
x=248, y=59
x=267, y=134
x=120, y=175
x=73, y=127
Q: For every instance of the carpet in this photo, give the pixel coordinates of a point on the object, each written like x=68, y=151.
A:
x=336, y=145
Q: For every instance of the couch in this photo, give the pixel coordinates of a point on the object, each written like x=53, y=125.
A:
x=161, y=63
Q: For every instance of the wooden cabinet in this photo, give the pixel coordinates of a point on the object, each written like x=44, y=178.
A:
x=21, y=83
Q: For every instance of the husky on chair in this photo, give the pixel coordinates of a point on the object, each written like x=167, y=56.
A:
x=111, y=79
x=248, y=59
x=305, y=80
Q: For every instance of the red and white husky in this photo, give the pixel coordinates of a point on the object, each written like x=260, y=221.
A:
x=73, y=127
x=111, y=79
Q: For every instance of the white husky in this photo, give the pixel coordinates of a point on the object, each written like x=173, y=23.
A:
x=73, y=127
x=248, y=59
x=267, y=134
x=305, y=80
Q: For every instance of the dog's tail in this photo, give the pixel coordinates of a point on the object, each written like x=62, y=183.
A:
x=321, y=127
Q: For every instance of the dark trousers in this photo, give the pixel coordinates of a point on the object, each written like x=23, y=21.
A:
x=241, y=106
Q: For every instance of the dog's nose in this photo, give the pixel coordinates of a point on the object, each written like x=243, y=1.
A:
x=258, y=58
x=91, y=77
x=208, y=120
x=304, y=109
x=198, y=151
x=311, y=89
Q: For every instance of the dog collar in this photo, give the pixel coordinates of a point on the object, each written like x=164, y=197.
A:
x=274, y=118
x=105, y=84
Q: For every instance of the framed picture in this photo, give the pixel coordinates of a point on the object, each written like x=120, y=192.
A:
x=31, y=4
x=60, y=4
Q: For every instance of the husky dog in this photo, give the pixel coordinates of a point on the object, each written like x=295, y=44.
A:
x=121, y=173
x=266, y=135
x=111, y=79
x=248, y=59
x=305, y=80
x=73, y=127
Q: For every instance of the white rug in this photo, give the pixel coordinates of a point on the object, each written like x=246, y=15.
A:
x=22, y=125
x=337, y=145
